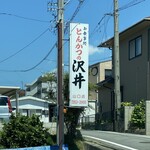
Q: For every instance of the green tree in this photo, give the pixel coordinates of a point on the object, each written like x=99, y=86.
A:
x=24, y=131
x=51, y=80
x=92, y=88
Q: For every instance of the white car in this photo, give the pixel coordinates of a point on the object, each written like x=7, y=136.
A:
x=5, y=108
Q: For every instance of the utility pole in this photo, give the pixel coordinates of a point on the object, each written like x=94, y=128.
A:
x=60, y=101
x=116, y=66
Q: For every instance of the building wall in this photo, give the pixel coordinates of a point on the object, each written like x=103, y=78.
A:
x=106, y=102
x=40, y=90
x=133, y=72
x=103, y=67
x=32, y=90
x=100, y=76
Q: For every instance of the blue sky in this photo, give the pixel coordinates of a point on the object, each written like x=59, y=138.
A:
x=28, y=33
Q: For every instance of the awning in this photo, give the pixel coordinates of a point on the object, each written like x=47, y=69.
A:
x=106, y=81
x=8, y=90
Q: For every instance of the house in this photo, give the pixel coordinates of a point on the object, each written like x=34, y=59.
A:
x=29, y=105
x=97, y=72
x=106, y=99
x=134, y=64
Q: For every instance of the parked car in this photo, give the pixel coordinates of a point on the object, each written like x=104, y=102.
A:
x=5, y=108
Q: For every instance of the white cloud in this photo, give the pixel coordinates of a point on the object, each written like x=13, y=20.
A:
x=94, y=49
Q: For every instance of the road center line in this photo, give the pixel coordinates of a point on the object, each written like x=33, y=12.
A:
x=113, y=143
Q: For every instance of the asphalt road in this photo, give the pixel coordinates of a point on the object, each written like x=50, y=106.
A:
x=118, y=141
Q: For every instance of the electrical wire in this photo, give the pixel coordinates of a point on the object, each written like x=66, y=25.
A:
x=26, y=70
x=130, y=4
x=21, y=17
x=104, y=36
x=45, y=58
x=74, y=14
x=25, y=46
x=98, y=26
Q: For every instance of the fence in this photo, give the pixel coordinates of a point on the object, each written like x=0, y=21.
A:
x=87, y=122
x=88, y=119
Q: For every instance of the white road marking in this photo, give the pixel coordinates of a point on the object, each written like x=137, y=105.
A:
x=113, y=143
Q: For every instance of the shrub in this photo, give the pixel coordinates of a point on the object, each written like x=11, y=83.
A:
x=23, y=131
x=138, y=116
x=123, y=104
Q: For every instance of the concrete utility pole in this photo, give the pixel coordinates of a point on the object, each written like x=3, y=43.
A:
x=116, y=65
x=60, y=101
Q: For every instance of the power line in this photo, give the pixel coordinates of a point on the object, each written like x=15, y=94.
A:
x=130, y=4
x=74, y=14
x=26, y=18
x=26, y=70
x=45, y=58
x=104, y=36
x=98, y=24
x=25, y=46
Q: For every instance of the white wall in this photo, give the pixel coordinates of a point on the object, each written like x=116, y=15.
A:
x=29, y=106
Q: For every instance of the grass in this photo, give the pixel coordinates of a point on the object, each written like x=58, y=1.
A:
x=74, y=143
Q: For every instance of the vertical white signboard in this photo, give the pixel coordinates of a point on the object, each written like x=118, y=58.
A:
x=78, y=81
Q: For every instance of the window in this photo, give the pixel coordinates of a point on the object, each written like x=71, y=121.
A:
x=108, y=73
x=38, y=112
x=135, y=47
x=25, y=112
x=32, y=112
x=138, y=46
x=3, y=101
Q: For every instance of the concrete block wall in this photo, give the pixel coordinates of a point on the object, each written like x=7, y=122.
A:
x=127, y=116
x=147, y=118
